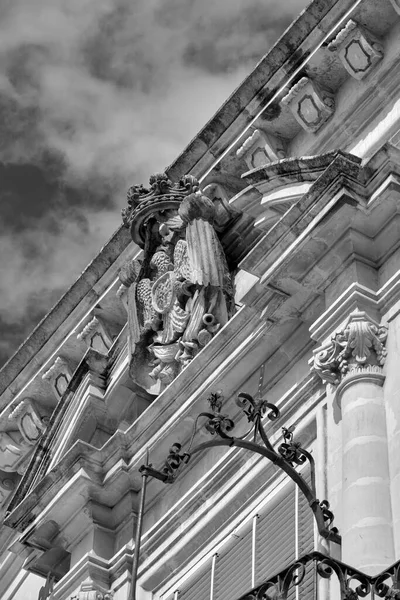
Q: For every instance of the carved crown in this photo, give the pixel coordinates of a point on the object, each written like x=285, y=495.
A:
x=162, y=194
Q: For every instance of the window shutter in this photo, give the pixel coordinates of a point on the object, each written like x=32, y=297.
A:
x=276, y=535
x=199, y=588
x=306, y=541
x=233, y=568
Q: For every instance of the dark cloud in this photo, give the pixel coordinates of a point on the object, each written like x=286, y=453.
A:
x=26, y=195
x=95, y=96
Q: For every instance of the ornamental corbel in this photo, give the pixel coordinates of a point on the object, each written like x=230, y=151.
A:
x=96, y=336
x=261, y=148
x=311, y=104
x=58, y=375
x=359, y=346
x=28, y=420
x=358, y=49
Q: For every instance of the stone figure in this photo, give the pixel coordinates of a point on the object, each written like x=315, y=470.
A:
x=181, y=293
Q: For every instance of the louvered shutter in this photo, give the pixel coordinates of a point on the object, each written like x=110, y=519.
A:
x=276, y=535
x=198, y=588
x=233, y=568
x=307, y=588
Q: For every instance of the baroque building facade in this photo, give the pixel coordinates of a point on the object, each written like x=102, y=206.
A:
x=233, y=351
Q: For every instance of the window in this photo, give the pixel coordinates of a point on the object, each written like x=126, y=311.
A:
x=265, y=544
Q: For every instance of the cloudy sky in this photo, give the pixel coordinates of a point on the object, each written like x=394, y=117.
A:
x=96, y=95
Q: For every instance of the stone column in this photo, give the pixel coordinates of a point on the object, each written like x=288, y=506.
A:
x=392, y=403
x=353, y=362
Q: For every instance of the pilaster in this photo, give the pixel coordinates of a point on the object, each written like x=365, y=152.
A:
x=352, y=364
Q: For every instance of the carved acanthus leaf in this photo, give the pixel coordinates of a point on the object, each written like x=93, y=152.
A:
x=360, y=344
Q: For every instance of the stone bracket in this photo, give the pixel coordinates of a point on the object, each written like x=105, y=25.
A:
x=96, y=336
x=261, y=148
x=358, y=49
x=59, y=375
x=311, y=104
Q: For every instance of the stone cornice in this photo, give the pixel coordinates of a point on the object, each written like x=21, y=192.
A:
x=276, y=69
x=293, y=170
x=156, y=423
x=85, y=474
x=312, y=208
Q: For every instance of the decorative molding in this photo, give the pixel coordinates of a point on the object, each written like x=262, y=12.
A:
x=355, y=297
x=367, y=373
x=261, y=148
x=96, y=336
x=358, y=49
x=358, y=347
x=311, y=104
x=91, y=591
x=59, y=375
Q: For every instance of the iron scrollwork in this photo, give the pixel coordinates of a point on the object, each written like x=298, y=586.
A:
x=354, y=584
x=347, y=577
x=387, y=584
x=288, y=456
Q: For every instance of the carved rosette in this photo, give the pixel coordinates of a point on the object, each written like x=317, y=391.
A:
x=359, y=347
x=181, y=293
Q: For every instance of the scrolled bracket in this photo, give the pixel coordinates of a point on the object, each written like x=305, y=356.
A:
x=289, y=455
x=347, y=577
x=387, y=584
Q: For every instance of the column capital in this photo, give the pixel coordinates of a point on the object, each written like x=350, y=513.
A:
x=359, y=346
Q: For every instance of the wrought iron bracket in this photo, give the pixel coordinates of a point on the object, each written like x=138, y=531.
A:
x=354, y=584
x=288, y=455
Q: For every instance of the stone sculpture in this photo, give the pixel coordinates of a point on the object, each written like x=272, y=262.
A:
x=181, y=293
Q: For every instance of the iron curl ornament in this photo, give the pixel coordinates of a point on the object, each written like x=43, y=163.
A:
x=354, y=584
x=287, y=457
